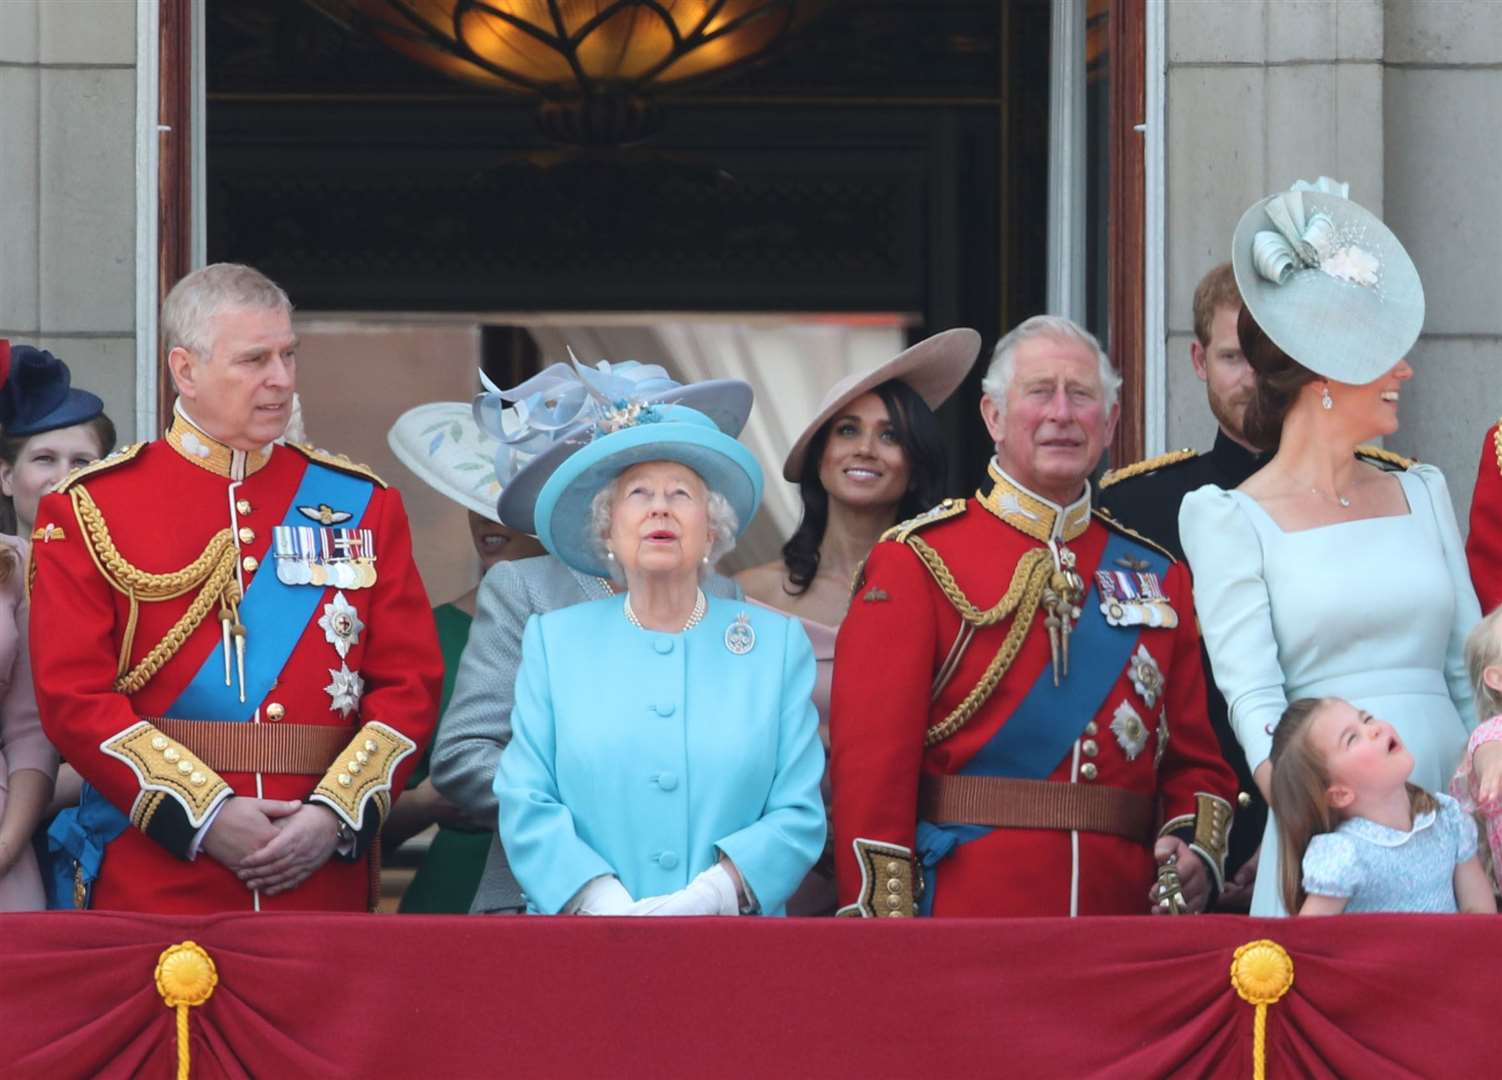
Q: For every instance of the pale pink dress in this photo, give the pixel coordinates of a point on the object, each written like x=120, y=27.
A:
x=1490, y=816
x=22, y=744
x=816, y=896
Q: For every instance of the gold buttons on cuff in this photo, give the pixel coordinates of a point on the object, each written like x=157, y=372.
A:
x=247, y=534
x=185, y=767
x=894, y=901
x=251, y=564
x=1089, y=748
x=242, y=506
x=159, y=743
x=171, y=753
x=1091, y=728
x=353, y=767
x=362, y=757
x=275, y=711
x=893, y=866
x=370, y=744
x=894, y=885
x=1243, y=800
x=344, y=780
x=197, y=779
x=1088, y=770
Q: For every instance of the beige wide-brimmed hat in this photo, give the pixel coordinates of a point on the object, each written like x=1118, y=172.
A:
x=443, y=445
x=933, y=368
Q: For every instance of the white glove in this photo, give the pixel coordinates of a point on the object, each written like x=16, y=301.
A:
x=711, y=893
x=604, y=895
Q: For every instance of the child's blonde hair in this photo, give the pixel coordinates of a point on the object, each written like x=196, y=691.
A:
x=1300, y=784
x=1483, y=649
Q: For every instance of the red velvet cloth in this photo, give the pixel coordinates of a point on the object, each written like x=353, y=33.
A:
x=454, y=997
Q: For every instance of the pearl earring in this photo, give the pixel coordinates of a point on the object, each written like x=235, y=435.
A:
x=705, y=560
x=1326, y=402
x=609, y=555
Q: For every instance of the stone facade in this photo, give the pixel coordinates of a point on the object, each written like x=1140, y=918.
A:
x=67, y=189
x=1399, y=98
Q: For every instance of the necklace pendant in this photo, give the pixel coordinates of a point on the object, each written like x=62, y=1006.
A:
x=1344, y=501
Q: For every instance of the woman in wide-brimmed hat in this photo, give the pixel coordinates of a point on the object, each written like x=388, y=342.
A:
x=665, y=756
x=871, y=456
x=48, y=427
x=530, y=430
x=1324, y=575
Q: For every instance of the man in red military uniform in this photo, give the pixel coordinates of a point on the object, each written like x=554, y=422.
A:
x=1483, y=547
x=1018, y=707
x=229, y=638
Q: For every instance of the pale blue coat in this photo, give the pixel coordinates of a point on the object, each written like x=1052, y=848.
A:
x=642, y=755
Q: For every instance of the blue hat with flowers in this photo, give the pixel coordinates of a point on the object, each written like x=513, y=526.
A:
x=634, y=435
x=37, y=395
x=541, y=422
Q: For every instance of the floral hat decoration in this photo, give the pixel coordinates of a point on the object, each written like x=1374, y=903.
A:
x=541, y=422
x=443, y=445
x=1328, y=282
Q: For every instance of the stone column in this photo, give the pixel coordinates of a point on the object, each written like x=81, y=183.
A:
x=1260, y=93
x=67, y=189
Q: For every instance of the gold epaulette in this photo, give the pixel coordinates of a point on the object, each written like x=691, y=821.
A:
x=104, y=464
x=1378, y=456
x=944, y=511
x=341, y=462
x=1104, y=517
x=1147, y=465
x=1497, y=443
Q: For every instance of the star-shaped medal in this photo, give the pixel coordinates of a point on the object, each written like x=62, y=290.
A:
x=341, y=625
x=345, y=690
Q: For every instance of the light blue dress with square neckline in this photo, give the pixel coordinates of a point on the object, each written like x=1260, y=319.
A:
x=1374, y=611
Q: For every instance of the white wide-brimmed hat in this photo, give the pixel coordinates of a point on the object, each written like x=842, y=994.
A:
x=1328, y=282
x=934, y=368
x=443, y=445
x=542, y=421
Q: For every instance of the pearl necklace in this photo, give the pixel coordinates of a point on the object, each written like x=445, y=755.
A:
x=701, y=605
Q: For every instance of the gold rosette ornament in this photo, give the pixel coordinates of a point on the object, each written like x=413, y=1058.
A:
x=1261, y=973
x=185, y=977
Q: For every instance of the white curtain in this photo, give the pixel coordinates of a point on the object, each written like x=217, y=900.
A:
x=789, y=364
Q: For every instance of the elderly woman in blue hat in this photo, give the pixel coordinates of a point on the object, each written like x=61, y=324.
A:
x=48, y=427
x=1335, y=570
x=665, y=756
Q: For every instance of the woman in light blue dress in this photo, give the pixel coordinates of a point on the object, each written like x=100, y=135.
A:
x=665, y=757
x=1324, y=575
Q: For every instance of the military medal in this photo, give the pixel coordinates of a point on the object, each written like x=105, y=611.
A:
x=345, y=690
x=324, y=514
x=1147, y=676
x=341, y=625
x=1130, y=731
x=740, y=637
x=1134, y=598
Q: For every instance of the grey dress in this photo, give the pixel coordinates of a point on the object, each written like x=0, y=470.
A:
x=477, y=724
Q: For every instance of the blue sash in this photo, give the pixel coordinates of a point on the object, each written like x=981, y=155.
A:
x=270, y=612
x=1045, y=724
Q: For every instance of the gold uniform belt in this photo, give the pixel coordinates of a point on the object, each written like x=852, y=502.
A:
x=1035, y=804
x=269, y=748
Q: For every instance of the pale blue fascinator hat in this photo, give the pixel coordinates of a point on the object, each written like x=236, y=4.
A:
x=633, y=435
x=539, y=423
x=1328, y=282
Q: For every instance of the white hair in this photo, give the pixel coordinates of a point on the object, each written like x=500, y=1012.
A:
x=1003, y=367
x=723, y=527
x=194, y=301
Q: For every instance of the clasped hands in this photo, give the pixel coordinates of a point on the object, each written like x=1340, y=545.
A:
x=272, y=845
x=717, y=891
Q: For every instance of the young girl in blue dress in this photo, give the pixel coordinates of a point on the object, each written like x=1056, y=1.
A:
x=1355, y=835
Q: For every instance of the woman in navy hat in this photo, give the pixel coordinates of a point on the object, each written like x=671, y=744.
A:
x=47, y=429
x=1323, y=574
x=665, y=756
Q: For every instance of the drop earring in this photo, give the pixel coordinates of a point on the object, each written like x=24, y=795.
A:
x=1326, y=402
x=609, y=555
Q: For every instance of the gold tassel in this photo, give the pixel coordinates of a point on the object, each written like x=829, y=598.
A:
x=185, y=977
x=1261, y=973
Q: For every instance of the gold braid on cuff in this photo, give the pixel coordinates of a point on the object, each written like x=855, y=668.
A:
x=362, y=773
x=165, y=768
x=890, y=882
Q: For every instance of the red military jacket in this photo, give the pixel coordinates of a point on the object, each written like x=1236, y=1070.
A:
x=144, y=572
x=1483, y=547
x=1129, y=714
